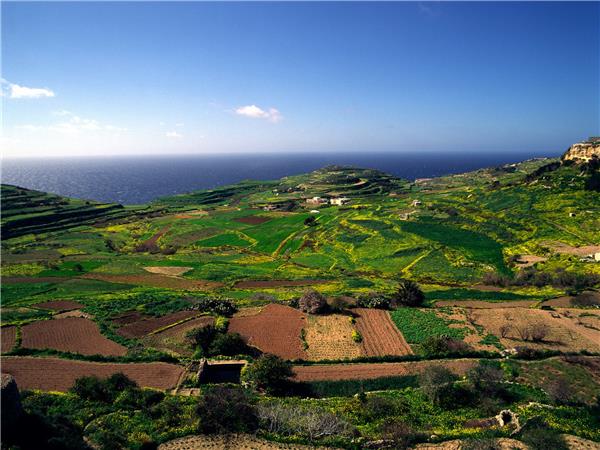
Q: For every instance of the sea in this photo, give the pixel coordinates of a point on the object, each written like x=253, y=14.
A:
x=131, y=180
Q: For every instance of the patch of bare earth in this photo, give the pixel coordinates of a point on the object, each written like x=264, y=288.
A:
x=54, y=374
x=147, y=325
x=365, y=371
x=171, y=271
x=59, y=305
x=456, y=444
x=8, y=339
x=380, y=336
x=15, y=280
x=73, y=334
x=155, y=280
x=73, y=313
x=564, y=330
x=330, y=337
x=276, y=329
x=252, y=284
x=252, y=220
x=173, y=339
x=229, y=442
x=529, y=260
x=565, y=249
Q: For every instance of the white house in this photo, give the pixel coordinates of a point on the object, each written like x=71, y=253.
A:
x=316, y=200
x=339, y=201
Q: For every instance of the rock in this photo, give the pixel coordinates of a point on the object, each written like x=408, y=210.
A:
x=11, y=402
x=583, y=151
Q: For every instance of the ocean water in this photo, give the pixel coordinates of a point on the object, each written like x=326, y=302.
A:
x=135, y=180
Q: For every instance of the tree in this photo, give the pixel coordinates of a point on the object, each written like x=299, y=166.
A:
x=486, y=378
x=310, y=221
x=436, y=382
x=228, y=344
x=202, y=337
x=559, y=390
x=226, y=410
x=268, y=373
x=409, y=294
x=373, y=300
x=312, y=302
x=539, y=332
x=443, y=346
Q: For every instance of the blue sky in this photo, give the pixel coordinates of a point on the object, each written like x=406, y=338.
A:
x=144, y=78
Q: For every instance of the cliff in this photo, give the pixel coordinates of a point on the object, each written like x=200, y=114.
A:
x=583, y=151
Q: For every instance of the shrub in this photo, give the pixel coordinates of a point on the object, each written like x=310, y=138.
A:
x=559, y=390
x=539, y=332
x=373, y=300
x=444, y=346
x=356, y=336
x=539, y=436
x=310, y=221
x=202, y=337
x=409, y=294
x=226, y=410
x=107, y=390
x=486, y=378
x=312, y=302
x=268, y=373
x=228, y=344
x=437, y=382
x=222, y=307
x=400, y=433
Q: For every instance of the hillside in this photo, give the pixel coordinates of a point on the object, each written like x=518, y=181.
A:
x=180, y=294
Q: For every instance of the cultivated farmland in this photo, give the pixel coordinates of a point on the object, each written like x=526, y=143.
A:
x=140, y=326
x=173, y=339
x=330, y=337
x=53, y=374
x=73, y=334
x=380, y=335
x=8, y=338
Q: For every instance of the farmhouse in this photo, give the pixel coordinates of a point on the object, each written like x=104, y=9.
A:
x=339, y=201
x=316, y=201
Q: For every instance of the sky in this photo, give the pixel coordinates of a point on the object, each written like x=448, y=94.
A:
x=112, y=78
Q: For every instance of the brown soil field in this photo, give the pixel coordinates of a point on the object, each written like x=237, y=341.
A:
x=148, y=325
x=567, y=331
x=73, y=313
x=529, y=260
x=482, y=304
x=151, y=243
x=8, y=338
x=190, y=237
x=456, y=444
x=59, y=305
x=560, y=302
x=172, y=271
x=173, y=338
x=380, y=335
x=129, y=317
x=276, y=330
x=330, y=337
x=155, y=280
x=73, y=334
x=560, y=247
x=14, y=280
x=365, y=371
x=191, y=214
x=250, y=284
x=230, y=442
x=252, y=220
x=54, y=374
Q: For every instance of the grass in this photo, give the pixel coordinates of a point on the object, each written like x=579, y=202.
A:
x=474, y=294
x=417, y=325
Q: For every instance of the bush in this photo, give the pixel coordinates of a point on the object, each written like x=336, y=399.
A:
x=226, y=410
x=409, y=294
x=106, y=391
x=312, y=302
x=559, y=391
x=268, y=373
x=400, y=433
x=539, y=436
x=374, y=301
x=356, y=336
x=228, y=344
x=486, y=378
x=310, y=221
x=444, y=346
x=437, y=383
x=202, y=337
x=222, y=307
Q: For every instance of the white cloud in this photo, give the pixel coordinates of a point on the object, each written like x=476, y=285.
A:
x=254, y=112
x=16, y=91
x=179, y=125
x=173, y=135
x=71, y=124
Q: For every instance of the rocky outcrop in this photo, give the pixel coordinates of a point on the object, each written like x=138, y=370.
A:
x=11, y=402
x=583, y=151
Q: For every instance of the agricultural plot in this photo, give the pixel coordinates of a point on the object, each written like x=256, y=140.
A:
x=155, y=280
x=74, y=335
x=172, y=271
x=361, y=371
x=8, y=339
x=138, y=326
x=173, y=339
x=275, y=329
x=380, y=335
x=330, y=337
x=569, y=330
x=59, y=305
x=54, y=374
x=416, y=325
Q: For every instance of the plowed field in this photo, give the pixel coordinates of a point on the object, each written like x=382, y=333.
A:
x=8, y=338
x=155, y=280
x=276, y=330
x=252, y=220
x=380, y=335
x=59, y=305
x=54, y=374
x=330, y=337
x=174, y=338
x=277, y=283
x=73, y=334
x=143, y=327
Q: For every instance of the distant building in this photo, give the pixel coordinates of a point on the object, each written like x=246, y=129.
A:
x=316, y=201
x=339, y=201
x=314, y=211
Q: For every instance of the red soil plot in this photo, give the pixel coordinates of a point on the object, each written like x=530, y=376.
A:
x=58, y=305
x=155, y=280
x=54, y=374
x=380, y=335
x=174, y=339
x=250, y=284
x=73, y=334
x=365, y=371
x=276, y=329
x=8, y=338
x=143, y=327
x=252, y=220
